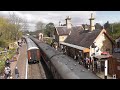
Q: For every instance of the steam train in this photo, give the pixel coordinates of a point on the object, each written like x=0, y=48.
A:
x=33, y=51
x=62, y=66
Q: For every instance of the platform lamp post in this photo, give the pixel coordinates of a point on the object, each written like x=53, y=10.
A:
x=112, y=31
x=93, y=46
x=106, y=68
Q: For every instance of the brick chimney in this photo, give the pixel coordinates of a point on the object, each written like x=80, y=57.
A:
x=59, y=23
x=86, y=27
x=68, y=22
x=92, y=26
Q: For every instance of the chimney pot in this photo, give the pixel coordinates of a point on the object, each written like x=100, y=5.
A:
x=92, y=26
x=59, y=23
x=68, y=22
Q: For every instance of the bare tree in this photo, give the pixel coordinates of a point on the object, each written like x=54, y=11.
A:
x=40, y=26
x=25, y=25
x=16, y=21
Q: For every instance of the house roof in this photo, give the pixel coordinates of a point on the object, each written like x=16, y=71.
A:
x=62, y=30
x=81, y=37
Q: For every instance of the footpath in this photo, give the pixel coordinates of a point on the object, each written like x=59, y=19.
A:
x=13, y=63
x=20, y=63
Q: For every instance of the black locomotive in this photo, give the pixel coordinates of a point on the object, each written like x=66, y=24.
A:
x=62, y=66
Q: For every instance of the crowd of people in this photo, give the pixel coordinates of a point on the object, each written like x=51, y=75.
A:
x=87, y=62
x=7, y=70
x=91, y=63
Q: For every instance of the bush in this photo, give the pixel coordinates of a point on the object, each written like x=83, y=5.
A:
x=10, y=54
x=2, y=64
x=4, y=43
x=1, y=49
x=48, y=40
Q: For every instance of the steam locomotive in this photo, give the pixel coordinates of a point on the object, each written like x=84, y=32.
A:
x=62, y=66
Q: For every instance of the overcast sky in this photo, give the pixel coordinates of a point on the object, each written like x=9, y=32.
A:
x=78, y=17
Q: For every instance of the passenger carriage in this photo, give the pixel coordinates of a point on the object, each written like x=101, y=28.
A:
x=33, y=52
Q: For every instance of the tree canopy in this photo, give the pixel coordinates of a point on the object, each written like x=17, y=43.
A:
x=98, y=26
x=46, y=29
x=10, y=29
x=49, y=29
x=113, y=29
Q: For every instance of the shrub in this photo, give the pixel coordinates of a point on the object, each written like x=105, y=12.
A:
x=2, y=64
x=4, y=43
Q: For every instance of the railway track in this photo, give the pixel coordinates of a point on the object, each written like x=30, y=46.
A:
x=35, y=71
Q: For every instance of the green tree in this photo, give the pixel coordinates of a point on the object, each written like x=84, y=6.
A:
x=107, y=26
x=49, y=29
x=115, y=30
x=98, y=26
x=10, y=29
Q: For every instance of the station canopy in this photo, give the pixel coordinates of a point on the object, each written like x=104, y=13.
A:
x=84, y=49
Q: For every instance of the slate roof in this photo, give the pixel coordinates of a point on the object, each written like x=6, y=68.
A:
x=82, y=37
x=62, y=30
x=79, y=36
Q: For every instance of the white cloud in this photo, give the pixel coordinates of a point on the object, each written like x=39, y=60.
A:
x=78, y=17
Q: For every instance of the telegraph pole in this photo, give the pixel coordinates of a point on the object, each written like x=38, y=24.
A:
x=112, y=32
x=112, y=28
x=93, y=46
